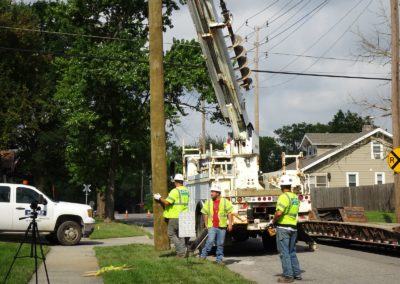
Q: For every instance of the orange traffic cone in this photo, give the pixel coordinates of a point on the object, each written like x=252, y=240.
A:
x=126, y=214
x=148, y=214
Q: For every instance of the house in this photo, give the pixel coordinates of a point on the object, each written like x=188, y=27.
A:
x=347, y=159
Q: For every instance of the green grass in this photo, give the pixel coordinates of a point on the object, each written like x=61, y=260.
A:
x=115, y=230
x=149, y=266
x=23, y=268
x=380, y=217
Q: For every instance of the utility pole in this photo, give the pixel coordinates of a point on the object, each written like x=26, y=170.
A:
x=257, y=87
x=157, y=122
x=203, y=127
x=395, y=96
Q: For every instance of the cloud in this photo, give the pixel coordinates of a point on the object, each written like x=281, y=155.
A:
x=307, y=99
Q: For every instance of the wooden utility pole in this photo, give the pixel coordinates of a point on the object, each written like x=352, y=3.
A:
x=257, y=87
x=395, y=96
x=203, y=127
x=157, y=122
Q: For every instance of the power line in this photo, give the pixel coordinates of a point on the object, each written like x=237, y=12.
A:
x=287, y=11
x=333, y=44
x=66, y=34
x=322, y=36
x=320, y=57
x=256, y=14
x=320, y=75
x=311, y=14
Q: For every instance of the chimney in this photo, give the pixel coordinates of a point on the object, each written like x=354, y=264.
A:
x=367, y=128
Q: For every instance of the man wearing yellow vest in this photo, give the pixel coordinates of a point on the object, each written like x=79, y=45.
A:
x=285, y=219
x=176, y=202
x=217, y=217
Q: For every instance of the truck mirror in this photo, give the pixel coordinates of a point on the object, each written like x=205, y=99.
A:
x=42, y=200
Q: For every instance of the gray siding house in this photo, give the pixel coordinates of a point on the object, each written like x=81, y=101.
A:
x=347, y=159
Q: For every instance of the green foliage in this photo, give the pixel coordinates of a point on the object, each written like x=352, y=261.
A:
x=290, y=136
x=380, y=217
x=23, y=268
x=270, y=154
x=149, y=266
x=115, y=230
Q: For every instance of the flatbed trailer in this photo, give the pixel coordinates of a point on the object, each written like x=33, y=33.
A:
x=350, y=224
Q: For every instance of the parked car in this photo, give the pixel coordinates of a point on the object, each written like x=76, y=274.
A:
x=63, y=222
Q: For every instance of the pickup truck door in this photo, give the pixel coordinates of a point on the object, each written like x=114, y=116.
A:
x=6, y=211
x=23, y=200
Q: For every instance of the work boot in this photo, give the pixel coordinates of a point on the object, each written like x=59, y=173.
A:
x=285, y=280
x=298, y=277
x=220, y=262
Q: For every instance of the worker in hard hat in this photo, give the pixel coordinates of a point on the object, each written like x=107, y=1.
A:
x=176, y=202
x=285, y=220
x=218, y=219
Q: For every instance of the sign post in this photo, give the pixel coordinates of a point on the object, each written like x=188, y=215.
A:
x=86, y=190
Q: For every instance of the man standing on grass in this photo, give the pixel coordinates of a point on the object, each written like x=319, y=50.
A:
x=176, y=202
x=285, y=219
x=217, y=212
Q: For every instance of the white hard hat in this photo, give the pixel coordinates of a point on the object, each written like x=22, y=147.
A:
x=178, y=177
x=216, y=188
x=285, y=180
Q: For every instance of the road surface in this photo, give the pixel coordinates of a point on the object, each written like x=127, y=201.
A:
x=332, y=262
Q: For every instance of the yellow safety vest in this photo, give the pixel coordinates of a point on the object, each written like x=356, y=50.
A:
x=288, y=203
x=225, y=207
x=178, y=200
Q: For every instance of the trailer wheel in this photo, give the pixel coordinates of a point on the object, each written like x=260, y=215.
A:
x=69, y=233
x=269, y=242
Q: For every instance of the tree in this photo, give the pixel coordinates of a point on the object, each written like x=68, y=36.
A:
x=270, y=154
x=290, y=136
x=29, y=121
x=348, y=122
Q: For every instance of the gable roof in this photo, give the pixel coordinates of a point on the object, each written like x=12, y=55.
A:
x=347, y=142
x=331, y=139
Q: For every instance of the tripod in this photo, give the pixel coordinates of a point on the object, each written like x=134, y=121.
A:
x=33, y=228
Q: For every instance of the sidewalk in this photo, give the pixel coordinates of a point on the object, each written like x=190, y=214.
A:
x=67, y=264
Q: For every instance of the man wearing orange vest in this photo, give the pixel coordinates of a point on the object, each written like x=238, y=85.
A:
x=217, y=212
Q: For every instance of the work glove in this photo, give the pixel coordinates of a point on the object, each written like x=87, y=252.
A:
x=271, y=224
x=157, y=196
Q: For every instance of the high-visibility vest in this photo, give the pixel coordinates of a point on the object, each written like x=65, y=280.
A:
x=225, y=207
x=288, y=203
x=178, y=200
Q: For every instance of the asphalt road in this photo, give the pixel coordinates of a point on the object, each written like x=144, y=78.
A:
x=332, y=262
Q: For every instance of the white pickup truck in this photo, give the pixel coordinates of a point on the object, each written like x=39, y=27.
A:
x=62, y=222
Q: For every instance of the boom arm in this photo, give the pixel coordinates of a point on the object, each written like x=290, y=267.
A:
x=221, y=66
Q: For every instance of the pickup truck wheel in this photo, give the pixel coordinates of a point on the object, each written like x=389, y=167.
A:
x=69, y=233
x=52, y=238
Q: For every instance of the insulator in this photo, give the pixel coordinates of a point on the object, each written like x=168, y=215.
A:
x=239, y=52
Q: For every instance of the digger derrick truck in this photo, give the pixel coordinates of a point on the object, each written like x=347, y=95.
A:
x=235, y=168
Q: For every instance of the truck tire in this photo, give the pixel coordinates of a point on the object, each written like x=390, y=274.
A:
x=52, y=238
x=269, y=242
x=69, y=233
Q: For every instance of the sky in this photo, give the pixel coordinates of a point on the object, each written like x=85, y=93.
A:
x=330, y=31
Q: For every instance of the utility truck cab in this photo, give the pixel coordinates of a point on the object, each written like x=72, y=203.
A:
x=63, y=222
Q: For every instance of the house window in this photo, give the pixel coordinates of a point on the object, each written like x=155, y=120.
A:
x=379, y=178
x=376, y=151
x=319, y=180
x=352, y=179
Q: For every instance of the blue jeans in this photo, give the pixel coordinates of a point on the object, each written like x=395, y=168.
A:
x=286, y=244
x=217, y=235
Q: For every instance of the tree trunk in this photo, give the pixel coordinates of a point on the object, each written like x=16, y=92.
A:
x=101, y=205
x=111, y=183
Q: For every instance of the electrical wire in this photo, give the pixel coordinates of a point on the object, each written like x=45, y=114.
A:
x=322, y=36
x=332, y=45
x=256, y=14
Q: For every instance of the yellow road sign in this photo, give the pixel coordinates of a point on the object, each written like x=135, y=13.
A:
x=393, y=159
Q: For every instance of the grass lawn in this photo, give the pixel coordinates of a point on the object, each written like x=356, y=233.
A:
x=149, y=266
x=115, y=230
x=380, y=217
x=23, y=268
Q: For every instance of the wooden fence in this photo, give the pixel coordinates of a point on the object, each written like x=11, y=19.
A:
x=372, y=197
